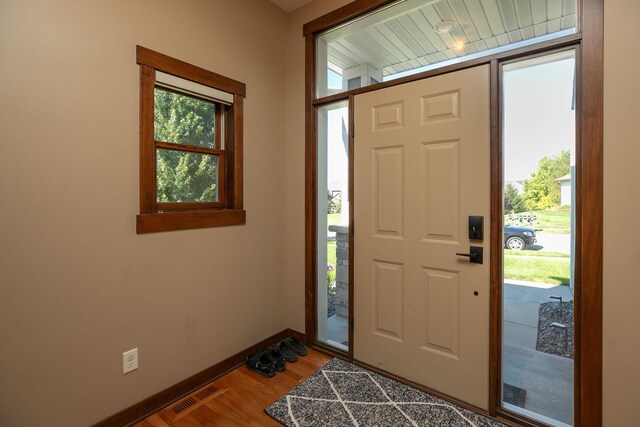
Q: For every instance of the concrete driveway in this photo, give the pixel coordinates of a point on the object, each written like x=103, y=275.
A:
x=548, y=242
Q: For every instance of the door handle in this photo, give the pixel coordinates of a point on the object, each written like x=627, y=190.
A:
x=467, y=255
x=474, y=255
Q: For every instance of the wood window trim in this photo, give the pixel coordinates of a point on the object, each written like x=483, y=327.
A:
x=589, y=42
x=228, y=210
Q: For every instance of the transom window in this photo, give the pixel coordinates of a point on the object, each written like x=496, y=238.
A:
x=408, y=37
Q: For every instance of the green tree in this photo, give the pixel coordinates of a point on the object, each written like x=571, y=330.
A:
x=513, y=200
x=184, y=176
x=334, y=204
x=542, y=191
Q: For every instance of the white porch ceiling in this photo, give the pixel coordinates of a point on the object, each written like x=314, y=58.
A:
x=403, y=38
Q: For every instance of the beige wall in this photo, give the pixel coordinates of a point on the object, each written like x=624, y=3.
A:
x=77, y=285
x=621, y=210
x=295, y=155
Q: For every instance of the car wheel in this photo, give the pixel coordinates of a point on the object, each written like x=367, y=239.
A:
x=515, y=243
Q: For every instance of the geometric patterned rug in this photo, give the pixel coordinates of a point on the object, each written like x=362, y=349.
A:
x=342, y=394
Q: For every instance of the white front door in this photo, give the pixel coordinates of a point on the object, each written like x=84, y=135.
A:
x=421, y=169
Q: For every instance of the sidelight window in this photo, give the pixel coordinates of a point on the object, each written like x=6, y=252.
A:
x=538, y=236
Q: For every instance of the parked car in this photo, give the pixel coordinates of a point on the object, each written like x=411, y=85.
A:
x=518, y=238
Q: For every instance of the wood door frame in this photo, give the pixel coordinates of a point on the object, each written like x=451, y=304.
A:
x=589, y=42
x=497, y=213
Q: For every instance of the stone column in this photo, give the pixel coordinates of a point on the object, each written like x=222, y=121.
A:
x=342, y=269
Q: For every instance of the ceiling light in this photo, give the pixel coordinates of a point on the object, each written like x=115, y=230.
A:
x=458, y=45
x=445, y=26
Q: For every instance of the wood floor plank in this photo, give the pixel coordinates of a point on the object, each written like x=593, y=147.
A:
x=154, y=421
x=245, y=397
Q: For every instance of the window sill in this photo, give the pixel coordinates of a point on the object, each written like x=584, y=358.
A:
x=170, y=221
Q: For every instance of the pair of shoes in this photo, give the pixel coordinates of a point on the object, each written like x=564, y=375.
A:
x=291, y=348
x=266, y=362
x=278, y=359
x=288, y=354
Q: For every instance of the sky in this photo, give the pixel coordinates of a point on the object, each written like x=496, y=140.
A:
x=538, y=119
x=338, y=165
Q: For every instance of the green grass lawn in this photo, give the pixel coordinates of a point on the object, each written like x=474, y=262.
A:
x=551, y=221
x=331, y=253
x=535, y=254
x=331, y=245
x=537, y=270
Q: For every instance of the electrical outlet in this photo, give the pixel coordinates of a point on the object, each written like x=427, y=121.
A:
x=129, y=361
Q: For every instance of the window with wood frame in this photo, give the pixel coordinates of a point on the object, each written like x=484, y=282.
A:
x=190, y=146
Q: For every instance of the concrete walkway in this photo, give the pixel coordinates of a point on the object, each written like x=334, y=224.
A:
x=338, y=331
x=521, y=304
x=548, y=379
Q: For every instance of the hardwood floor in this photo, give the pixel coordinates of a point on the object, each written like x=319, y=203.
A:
x=238, y=398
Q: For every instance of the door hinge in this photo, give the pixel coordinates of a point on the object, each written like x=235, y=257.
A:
x=351, y=322
x=352, y=226
x=353, y=129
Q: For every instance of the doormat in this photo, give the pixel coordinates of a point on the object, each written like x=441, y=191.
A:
x=342, y=394
x=555, y=329
x=513, y=395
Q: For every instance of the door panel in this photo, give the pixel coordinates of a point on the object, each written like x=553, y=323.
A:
x=441, y=190
x=388, y=300
x=388, y=194
x=442, y=312
x=421, y=161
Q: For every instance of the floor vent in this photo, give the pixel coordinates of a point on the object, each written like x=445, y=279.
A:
x=194, y=401
x=514, y=395
x=184, y=405
x=205, y=392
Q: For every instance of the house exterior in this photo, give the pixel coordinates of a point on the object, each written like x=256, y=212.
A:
x=78, y=287
x=565, y=190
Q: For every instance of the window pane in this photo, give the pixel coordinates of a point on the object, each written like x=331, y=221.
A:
x=186, y=177
x=183, y=119
x=538, y=287
x=333, y=225
x=412, y=36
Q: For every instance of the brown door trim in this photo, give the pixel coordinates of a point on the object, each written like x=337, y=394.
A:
x=311, y=203
x=589, y=216
x=341, y=15
x=495, y=268
x=351, y=226
x=589, y=182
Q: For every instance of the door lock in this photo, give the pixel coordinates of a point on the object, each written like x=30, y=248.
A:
x=476, y=227
x=474, y=255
